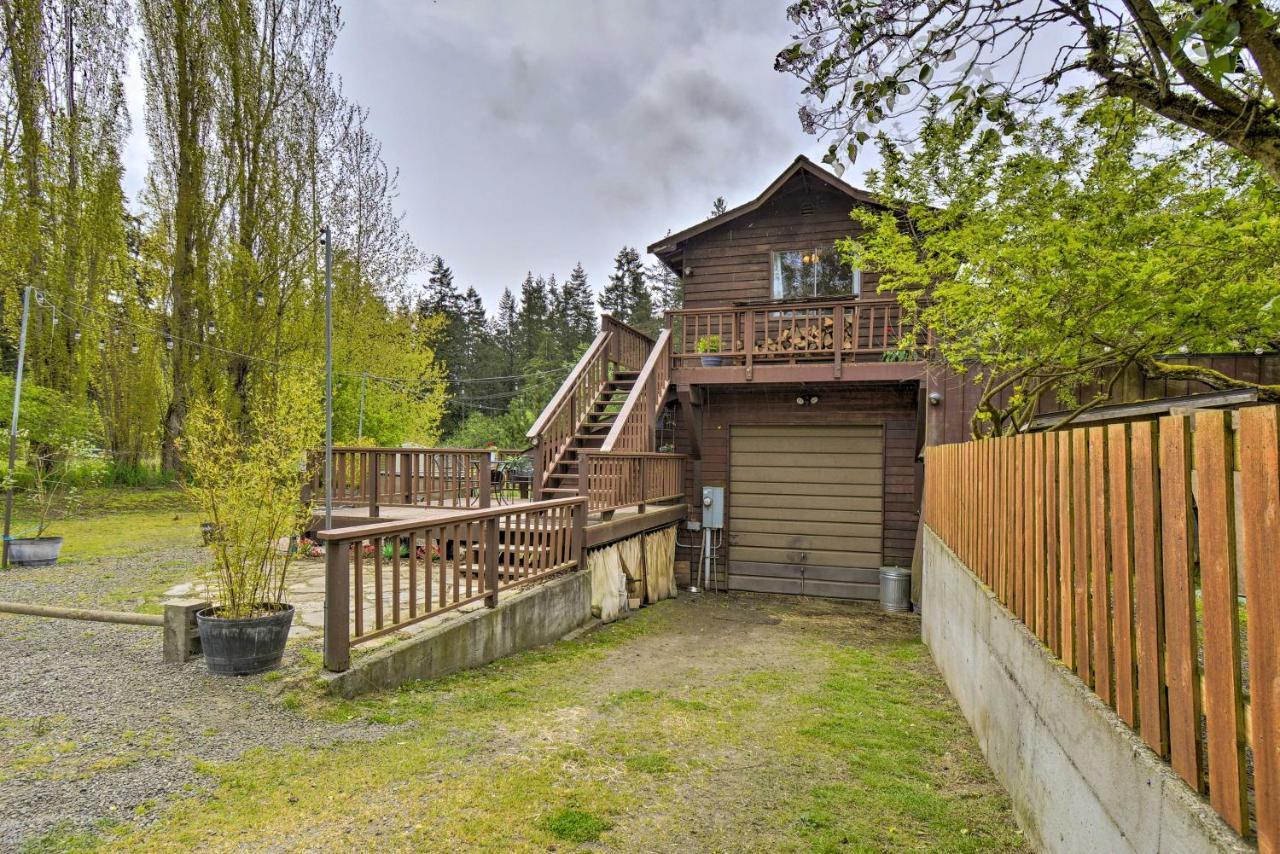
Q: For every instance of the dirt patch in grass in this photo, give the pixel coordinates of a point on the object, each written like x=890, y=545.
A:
x=722, y=723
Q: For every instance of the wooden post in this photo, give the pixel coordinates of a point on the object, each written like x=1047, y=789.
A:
x=584, y=476
x=749, y=339
x=486, y=481
x=374, y=475
x=491, y=562
x=337, y=607
x=579, y=533
x=539, y=465
x=837, y=338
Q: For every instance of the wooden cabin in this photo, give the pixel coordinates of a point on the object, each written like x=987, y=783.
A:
x=807, y=415
x=790, y=384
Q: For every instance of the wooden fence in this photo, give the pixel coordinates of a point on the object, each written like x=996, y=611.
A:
x=1127, y=550
x=620, y=479
x=413, y=477
x=384, y=577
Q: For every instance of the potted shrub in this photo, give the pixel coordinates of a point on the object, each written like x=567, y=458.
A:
x=249, y=481
x=53, y=494
x=707, y=345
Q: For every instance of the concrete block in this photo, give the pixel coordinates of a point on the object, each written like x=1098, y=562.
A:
x=1079, y=779
x=181, y=636
x=523, y=620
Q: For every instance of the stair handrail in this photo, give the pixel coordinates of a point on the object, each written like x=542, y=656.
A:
x=574, y=399
x=633, y=428
x=630, y=346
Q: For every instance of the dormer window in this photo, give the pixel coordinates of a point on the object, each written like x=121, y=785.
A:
x=807, y=273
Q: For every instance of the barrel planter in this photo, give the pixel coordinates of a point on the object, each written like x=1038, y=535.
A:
x=34, y=551
x=244, y=646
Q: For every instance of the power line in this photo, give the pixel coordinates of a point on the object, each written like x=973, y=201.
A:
x=44, y=301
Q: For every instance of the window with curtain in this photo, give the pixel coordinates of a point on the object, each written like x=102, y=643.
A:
x=806, y=273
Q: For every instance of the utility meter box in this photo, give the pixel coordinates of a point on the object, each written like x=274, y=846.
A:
x=713, y=506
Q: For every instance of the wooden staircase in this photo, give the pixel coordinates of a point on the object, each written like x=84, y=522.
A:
x=562, y=479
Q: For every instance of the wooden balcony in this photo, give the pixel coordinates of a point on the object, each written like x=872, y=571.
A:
x=794, y=342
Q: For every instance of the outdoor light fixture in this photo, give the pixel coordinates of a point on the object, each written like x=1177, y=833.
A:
x=1258, y=351
x=76, y=336
x=813, y=400
x=260, y=298
x=168, y=342
x=102, y=343
x=800, y=401
x=688, y=271
x=133, y=348
x=934, y=398
x=211, y=328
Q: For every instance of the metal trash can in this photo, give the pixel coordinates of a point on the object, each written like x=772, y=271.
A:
x=895, y=588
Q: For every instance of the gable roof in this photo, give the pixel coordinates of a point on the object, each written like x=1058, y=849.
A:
x=671, y=243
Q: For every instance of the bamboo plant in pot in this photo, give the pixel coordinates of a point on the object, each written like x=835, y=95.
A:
x=248, y=482
x=53, y=495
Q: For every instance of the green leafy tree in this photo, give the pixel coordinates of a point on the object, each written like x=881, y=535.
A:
x=1087, y=244
x=1211, y=67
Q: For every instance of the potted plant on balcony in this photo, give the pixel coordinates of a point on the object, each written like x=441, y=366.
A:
x=708, y=345
x=248, y=481
x=52, y=494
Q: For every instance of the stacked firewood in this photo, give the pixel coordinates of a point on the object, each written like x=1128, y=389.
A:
x=812, y=335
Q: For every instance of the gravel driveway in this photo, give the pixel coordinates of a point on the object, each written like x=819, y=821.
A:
x=95, y=727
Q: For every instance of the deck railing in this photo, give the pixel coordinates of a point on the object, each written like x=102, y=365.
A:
x=556, y=426
x=413, y=477
x=616, y=479
x=1126, y=550
x=629, y=347
x=633, y=430
x=790, y=332
x=384, y=577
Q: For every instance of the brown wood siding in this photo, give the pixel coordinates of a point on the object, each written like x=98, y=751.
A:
x=733, y=262
x=891, y=406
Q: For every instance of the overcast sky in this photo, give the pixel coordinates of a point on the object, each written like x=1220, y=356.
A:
x=533, y=134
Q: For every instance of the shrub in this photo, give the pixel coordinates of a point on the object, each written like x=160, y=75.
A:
x=249, y=485
x=708, y=344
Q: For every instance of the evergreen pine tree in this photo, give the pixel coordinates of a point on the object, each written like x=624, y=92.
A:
x=618, y=297
x=718, y=207
x=666, y=287
x=506, y=335
x=533, y=318
x=579, y=308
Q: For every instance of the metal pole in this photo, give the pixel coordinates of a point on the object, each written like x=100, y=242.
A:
x=328, y=379
x=13, y=424
x=360, y=422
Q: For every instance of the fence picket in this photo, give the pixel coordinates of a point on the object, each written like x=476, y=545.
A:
x=1259, y=443
x=1148, y=587
x=1223, y=696
x=1099, y=566
x=1066, y=527
x=1049, y=509
x=1121, y=545
x=1081, y=553
x=1182, y=666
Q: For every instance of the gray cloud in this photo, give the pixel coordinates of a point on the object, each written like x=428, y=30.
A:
x=531, y=135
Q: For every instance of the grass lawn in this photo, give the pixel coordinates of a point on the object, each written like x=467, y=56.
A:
x=721, y=723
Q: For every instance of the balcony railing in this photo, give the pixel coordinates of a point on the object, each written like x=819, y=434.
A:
x=614, y=479
x=839, y=332
x=406, y=477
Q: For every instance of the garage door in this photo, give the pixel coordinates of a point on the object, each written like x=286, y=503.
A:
x=806, y=510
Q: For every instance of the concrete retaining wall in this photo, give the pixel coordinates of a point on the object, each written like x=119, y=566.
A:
x=1080, y=780
x=534, y=617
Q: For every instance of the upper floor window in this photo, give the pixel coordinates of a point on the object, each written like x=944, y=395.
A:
x=806, y=273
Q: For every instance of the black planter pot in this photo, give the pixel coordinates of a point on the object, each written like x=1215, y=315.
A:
x=246, y=646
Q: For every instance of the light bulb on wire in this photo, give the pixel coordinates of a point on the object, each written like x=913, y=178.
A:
x=102, y=343
x=168, y=342
x=260, y=298
x=211, y=328
x=76, y=336
x=133, y=347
